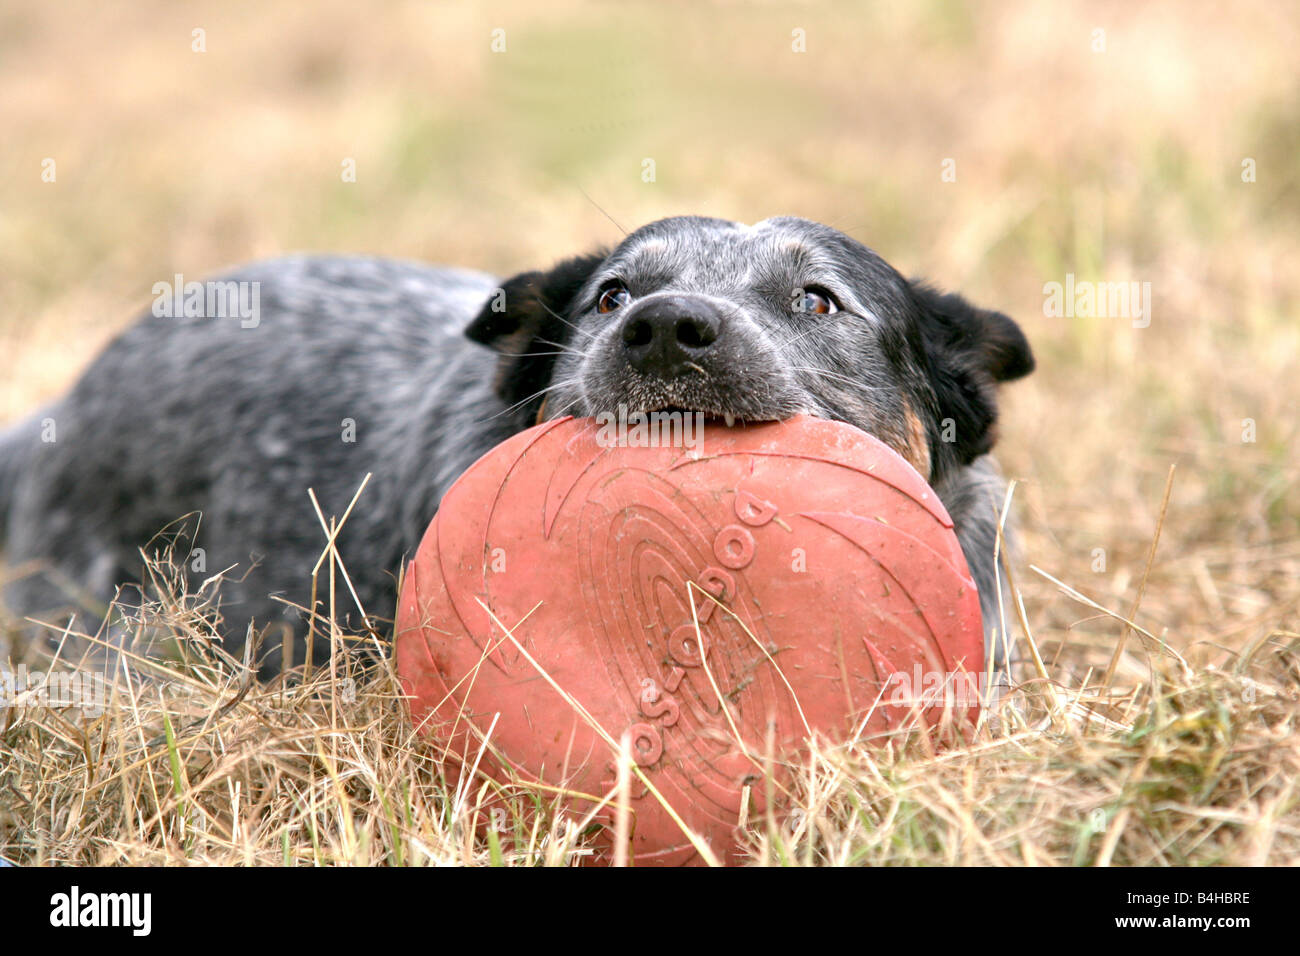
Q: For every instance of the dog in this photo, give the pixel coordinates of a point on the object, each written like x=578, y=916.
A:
x=409, y=373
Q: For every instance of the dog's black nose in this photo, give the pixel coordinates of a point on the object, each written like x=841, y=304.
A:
x=663, y=335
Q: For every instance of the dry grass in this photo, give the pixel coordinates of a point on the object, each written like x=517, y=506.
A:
x=192, y=761
x=1115, y=166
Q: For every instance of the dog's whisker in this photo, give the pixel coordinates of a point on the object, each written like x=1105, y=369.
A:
x=795, y=338
x=837, y=377
x=564, y=349
x=524, y=401
x=564, y=409
x=603, y=212
x=556, y=315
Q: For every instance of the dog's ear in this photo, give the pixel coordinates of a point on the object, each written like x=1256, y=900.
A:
x=526, y=321
x=970, y=351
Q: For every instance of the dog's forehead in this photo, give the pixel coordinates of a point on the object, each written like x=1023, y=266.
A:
x=694, y=250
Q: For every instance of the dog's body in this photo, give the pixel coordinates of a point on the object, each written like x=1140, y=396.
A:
x=360, y=366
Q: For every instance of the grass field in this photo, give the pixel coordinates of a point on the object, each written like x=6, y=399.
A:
x=993, y=149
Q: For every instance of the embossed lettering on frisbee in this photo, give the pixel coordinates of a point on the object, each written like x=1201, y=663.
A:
x=824, y=575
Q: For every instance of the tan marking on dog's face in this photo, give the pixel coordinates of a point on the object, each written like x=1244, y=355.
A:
x=916, y=447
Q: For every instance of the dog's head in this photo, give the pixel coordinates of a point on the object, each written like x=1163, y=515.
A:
x=756, y=323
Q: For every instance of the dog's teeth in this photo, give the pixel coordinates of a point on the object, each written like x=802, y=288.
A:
x=729, y=418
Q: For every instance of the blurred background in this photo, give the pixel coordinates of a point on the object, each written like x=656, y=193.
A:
x=992, y=148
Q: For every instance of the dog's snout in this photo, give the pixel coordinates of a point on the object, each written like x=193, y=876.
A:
x=665, y=335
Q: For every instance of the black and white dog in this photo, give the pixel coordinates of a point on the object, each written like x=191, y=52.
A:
x=351, y=366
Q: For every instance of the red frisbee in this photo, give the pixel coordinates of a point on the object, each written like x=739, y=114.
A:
x=825, y=580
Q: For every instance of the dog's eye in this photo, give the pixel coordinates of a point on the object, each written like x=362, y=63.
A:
x=815, y=301
x=615, y=297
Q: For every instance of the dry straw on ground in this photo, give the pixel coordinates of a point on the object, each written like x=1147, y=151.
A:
x=193, y=762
